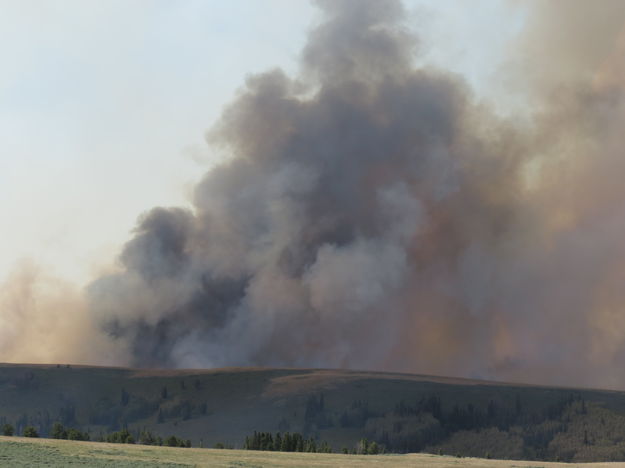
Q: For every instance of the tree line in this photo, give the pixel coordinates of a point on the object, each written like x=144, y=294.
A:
x=286, y=442
x=119, y=437
x=296, y=442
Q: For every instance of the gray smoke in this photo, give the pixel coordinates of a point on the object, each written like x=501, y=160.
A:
x=371, y=215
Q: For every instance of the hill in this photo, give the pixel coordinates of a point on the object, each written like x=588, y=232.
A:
x=406, y=413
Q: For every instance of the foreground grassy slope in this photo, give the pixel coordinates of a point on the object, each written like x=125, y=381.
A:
x=408, y=412
x=19, y=452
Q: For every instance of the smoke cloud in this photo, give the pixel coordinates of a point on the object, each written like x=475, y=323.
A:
x=44, y=320
x=373, y=215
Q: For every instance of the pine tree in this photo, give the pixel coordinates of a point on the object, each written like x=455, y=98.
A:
x=286, y=443
x=8, y=430
x=58, y=431
x=30, y=431
x=363, y=446
x=373, y=448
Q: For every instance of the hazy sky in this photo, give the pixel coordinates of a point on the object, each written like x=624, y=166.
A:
x=104, y=105
x=461, y=200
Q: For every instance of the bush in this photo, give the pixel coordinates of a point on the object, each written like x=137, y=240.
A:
x=58, y=431
x=30, y=431
x=75, y=434
x=173, y=441
x=8, y=430
x=147, y=438
x=121, y=437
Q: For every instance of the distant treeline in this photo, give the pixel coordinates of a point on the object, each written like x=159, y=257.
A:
x=428, y=423
x=434, y=424
x=296, y=442
x=119, y=437
x=284, y=443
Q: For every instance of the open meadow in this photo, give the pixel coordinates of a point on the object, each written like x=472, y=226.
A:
x=20, y=452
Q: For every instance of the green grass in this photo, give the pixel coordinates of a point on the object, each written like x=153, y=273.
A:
x=47, y=453
x=34, y=453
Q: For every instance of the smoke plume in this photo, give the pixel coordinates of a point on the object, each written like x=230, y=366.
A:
x=43, y=320
x=372, y=215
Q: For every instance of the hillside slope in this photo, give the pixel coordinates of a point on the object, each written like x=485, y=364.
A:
x=406, y=413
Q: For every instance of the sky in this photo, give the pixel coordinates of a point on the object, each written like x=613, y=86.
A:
x=104, y=105
x=420, y=186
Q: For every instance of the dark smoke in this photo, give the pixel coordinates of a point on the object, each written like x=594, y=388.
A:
x=371, y=215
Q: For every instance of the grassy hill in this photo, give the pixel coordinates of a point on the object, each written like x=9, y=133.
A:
x=39, y=453
x=407, y=413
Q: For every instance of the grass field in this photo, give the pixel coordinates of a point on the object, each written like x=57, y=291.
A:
x=20, y=452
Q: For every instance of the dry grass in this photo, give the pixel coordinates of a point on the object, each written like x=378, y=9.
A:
x=21, y=452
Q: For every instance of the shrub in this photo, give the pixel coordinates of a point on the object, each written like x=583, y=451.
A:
x=121, y=437
x=75, y=434
x=173, y=441
x=58, y=431
x=147, y=438
x=30, y=431
x=8, y=430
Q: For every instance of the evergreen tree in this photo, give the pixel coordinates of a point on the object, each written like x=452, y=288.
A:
x=146, y=438
x=58, y=431
x=373, y=448
x=363, y=447
x=8, y=430
x=286, y=443
x=30, y=431
x=75, y=434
